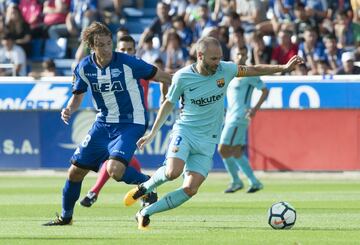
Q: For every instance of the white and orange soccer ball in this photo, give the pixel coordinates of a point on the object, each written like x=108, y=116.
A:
x=281, y=215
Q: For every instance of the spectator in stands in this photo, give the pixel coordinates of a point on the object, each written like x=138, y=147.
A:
x=203, y=21
x=182, y=30
x=173, y=53
x=191, y=11
x=55, y=12
x=300, y=70
x=285, y=49
x=261, y=53
x=237, y=39
x=82, y=13
x=160, y=24
x=177, y=7
x=310, y=48
x=302, y=21
x=10, y=53
x=2, y=26
x=48, y=70
x=222, y=10
x=147, y=52
x=348, y=68
x=16, y=25
x=355, y=4
x=251, y=13
x=332, y=54
x=283, y=15
x=316, y=9
x=31, y=10
x=343, y=29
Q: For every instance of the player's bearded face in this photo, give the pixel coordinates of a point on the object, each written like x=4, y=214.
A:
x=211, y=59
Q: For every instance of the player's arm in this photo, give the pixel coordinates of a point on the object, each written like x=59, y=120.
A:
x=162, y=115
x=164, y=79
x=263, y=69
x=73, y=104
x=252, y=111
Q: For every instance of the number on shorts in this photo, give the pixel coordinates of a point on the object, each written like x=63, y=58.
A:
x=86, y=141
x=177, y=140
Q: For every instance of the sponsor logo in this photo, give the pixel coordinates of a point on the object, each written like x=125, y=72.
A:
x=192, y=89
x=115, y=72
x=107, y=87
x=208, y=100
x=220, y=83
x=41, y=96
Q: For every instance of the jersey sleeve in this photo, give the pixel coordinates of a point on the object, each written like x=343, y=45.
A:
x=79, y=84
x=141, y=69
x=176, y=89
x=230, y=70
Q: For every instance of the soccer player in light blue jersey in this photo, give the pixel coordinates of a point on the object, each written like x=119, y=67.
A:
x=112, y=78
x=202, y=88
x=233, y=136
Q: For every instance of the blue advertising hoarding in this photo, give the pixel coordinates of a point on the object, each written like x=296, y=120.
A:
x=286, y=92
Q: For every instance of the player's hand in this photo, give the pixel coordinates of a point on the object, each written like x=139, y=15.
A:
x=293, y=62
x=65, y=115
x=250, y=114
x=144, y=140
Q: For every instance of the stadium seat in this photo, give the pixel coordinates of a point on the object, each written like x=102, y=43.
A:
x=55, y=49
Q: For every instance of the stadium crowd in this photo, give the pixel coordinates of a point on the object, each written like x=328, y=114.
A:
x=325, y=33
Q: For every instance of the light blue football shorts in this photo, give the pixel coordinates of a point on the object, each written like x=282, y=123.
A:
x=197, y=154
x=234, y=134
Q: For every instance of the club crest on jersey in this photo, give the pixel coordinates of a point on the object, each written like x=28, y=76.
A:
x=220, y=83
x=115, y=72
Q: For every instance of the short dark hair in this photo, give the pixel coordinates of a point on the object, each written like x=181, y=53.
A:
x=127, y=38
x=9, y=36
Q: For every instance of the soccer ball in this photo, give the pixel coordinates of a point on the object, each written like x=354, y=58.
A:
x=281, y=215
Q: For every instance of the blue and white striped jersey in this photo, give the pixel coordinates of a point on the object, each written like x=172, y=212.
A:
x=116, y=90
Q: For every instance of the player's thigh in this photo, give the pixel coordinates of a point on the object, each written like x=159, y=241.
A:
x=200, y=159
x=234, y=134
x=123, y=145
x=92, y=151
x=177, y=154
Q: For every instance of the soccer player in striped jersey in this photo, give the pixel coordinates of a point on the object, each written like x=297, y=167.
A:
x=112, y=78
x=202, y=87
x=126, y=44
x=238, y=115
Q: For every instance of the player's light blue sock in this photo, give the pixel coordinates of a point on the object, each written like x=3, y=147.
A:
x=169, y=201
x=232, y=168
x=156, y=180
x=132, y=176
x=245, y=167
x=71, y=193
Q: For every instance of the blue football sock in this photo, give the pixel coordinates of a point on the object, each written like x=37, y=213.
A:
x=232, y=168
x=71, y=193
x=132, y=176
x=169, y=201
x=157, y=179
x=247, y=170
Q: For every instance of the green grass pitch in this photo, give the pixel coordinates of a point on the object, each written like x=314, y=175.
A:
x=328, y=212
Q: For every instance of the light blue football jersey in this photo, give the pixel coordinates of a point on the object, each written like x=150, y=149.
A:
x=202, y=100
x=239, y=97
x=116, y=90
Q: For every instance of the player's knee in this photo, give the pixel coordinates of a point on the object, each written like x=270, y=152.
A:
x=224, y=152
x=115, y=169
x=76, y=174
x=172, y=174
x=190, y=191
